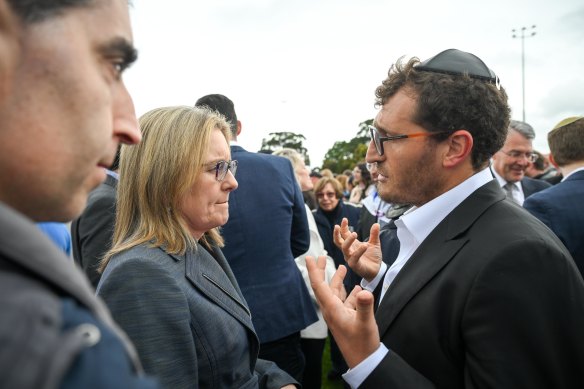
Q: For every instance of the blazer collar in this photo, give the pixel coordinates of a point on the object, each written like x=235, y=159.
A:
x=45, y=261
x=435, y=252
x=579, y=175
x=236, y=148
x=111, y=181
x=209, y=272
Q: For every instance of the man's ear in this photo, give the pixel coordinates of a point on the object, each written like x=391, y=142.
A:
x=553, y=160
x=459, y=148
x=8, y=47
x=238, y=127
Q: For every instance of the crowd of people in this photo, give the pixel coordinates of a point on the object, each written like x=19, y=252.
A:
x=435, y=263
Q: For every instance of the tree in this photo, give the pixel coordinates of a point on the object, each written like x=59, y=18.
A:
x=345, y=155
x=290, y=140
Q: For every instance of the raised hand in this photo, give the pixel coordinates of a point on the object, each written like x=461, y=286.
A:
x=351, y=322
x=363, y=257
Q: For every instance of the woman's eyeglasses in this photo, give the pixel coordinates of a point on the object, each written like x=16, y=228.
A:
x=222, y=167
x=322, y=195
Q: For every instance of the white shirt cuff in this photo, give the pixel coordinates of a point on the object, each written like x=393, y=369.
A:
x=370, y=286
x=355, y=376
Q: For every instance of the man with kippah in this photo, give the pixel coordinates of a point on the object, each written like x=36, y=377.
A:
x=561, y=207
x=481, y=294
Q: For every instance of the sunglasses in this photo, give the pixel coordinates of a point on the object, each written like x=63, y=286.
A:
x=221, y=168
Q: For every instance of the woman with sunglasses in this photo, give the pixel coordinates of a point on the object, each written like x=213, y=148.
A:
x=165, y=279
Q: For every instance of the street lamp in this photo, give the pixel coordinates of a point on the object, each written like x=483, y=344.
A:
x=524, y=34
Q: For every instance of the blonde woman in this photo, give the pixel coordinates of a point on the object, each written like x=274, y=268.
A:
x=165, y=279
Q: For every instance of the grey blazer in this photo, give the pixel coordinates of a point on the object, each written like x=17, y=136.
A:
x=188, y=319
x=42, y=343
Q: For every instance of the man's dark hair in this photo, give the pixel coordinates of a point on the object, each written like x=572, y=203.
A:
x=222, y=105
x=452, y=102
x=32, y=11
x=116, y=164
x=539, y=163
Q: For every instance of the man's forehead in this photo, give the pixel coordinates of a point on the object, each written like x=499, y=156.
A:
x=399, y=107
x=516, y=139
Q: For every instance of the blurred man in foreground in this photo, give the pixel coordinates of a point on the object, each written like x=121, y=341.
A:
x=63, y=111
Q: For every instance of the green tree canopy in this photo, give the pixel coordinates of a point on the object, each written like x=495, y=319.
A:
x=345, y=155
x=290, y=140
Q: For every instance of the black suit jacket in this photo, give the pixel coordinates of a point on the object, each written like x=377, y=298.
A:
x=490, y=299
x=92, y=232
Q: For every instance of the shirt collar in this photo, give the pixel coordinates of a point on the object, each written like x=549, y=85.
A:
x=572, y=172
x=112, y=173
x=502, y=182
x=422, y=221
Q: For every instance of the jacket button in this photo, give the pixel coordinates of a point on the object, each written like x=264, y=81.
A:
x=89, y=334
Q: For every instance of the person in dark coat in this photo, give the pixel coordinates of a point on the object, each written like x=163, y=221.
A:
x=560, y=207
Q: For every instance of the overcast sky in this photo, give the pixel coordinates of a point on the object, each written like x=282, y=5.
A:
x=311, y=66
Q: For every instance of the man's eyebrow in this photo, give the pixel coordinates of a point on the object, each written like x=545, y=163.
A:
x=120, y=47
x=379, y=129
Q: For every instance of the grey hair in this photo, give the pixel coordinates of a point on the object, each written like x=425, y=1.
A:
x=523, y=128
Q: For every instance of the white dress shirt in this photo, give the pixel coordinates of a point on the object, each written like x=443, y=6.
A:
x=413, y=227
x=517, y=189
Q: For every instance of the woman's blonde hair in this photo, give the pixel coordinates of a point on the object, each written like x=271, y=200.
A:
x=294, y=157
x=156, y=174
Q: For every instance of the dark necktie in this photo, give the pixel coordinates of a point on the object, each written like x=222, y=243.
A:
x=508, y=188
x=389, y=242
x=389, y=252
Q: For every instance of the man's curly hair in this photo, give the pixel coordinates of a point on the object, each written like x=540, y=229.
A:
x=452, y=102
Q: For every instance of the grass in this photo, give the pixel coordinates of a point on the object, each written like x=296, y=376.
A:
x=326, y=365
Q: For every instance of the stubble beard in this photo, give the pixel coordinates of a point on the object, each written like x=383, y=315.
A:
x=416, y=185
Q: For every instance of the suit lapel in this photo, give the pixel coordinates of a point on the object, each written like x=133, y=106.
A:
x=211, y=275
x=443, y=243
x=528, y=188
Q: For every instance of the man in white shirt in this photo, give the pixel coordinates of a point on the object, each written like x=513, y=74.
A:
x=511, y=162
x=481, y=294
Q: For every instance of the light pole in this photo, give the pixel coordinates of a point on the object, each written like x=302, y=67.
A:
x=523, y=35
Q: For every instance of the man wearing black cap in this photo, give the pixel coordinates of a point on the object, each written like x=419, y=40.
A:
x=482, y=294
